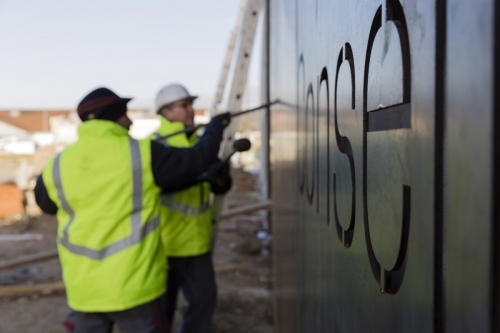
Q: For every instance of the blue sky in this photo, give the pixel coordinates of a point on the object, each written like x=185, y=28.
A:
x=53, y=52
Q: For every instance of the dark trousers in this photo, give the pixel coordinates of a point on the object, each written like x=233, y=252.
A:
x=145, y=318
x=195, y=277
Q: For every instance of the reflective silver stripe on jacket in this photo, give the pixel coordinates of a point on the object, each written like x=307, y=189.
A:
x=157, y=136
x=169, y=202
x=139, y=231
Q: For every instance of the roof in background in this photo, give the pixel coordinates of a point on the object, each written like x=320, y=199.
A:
x=38, y=120
x=9, y=130
x=31, y=121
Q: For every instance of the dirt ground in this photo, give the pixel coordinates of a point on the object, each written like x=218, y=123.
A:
x=244, y=295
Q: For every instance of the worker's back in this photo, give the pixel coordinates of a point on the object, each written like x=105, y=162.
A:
x=108, y=213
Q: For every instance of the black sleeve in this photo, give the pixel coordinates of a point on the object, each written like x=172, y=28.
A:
x=42, y=197
x=175, y=169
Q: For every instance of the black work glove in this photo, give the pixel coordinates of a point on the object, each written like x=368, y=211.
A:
x=219, y=177
x=221, y=182
x=223, y=118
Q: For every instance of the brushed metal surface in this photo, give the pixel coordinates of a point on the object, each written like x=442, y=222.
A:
x=468, y=173
x=378, y=147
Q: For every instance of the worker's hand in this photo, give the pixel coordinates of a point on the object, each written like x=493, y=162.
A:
x=219, y=177
x=223, y=118
x=221, y=182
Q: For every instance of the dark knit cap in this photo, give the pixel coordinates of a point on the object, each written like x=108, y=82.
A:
x=102, y=103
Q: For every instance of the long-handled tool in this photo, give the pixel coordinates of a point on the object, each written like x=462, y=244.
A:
x=217, y=202
x=191, y=129
x=239, y=146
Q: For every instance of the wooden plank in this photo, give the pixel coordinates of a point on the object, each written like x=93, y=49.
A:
x=20, y=237
x=45, y=288
x=230, y=267
x=28, y=260
x=246, y=209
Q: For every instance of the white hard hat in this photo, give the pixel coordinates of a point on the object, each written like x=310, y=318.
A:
x=171, y=93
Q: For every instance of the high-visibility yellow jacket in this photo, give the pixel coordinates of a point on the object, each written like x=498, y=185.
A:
x=108, y=219
x=186, y=217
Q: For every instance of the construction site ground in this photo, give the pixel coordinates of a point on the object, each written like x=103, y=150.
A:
x=244, y=294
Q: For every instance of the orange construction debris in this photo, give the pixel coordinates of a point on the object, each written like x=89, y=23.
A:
x=11, y=200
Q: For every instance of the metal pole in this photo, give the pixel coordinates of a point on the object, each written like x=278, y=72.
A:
x=266, y=118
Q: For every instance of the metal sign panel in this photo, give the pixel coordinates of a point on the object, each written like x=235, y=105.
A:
x=382, y=160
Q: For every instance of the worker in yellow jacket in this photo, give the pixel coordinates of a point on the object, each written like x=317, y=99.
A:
x=186, y=220
x=105, y=190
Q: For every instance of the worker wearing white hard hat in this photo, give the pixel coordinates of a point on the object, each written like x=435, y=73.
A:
x=175, y=103
x=186, y=220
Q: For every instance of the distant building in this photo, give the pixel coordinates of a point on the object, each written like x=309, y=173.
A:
x=29, y=138
x=23, y=132
x=201, y=116
x=10, y=130
x=31, y=120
